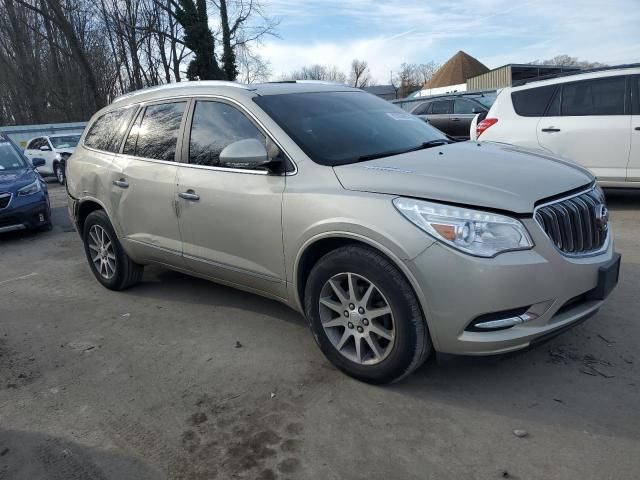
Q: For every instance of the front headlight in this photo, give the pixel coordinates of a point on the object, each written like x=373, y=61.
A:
x=30, y=189
x=479, y=233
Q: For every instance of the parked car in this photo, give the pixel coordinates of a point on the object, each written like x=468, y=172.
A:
x=391, y=240
x=24, y=200
x=55, y=149
x=452, y=114
x=591, y=118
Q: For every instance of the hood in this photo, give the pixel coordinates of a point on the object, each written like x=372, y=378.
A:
x=501, y=177
x=65, y=150
x=10, y=180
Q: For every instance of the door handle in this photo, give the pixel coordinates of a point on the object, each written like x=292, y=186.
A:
x=637, y=128
x=189, y=195
x=550, y=129
x=455, y=119
x=122, y=183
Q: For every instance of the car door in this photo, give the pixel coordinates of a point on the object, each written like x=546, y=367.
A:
x=439, y=113
x=230, y=219
x=633, y=167
x=144, y=183
x=586, y=122
x=463, y=113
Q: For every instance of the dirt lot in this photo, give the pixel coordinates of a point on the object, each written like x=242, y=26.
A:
x=150, y=383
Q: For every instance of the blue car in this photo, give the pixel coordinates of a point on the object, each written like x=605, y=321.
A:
x=24, y=199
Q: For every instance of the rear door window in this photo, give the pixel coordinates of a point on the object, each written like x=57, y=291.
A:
x=603, y=96
x=216, y=125
x=532, y=102
x=463, y=107
x=441, y=107
x=107, y=131
x=155, y=133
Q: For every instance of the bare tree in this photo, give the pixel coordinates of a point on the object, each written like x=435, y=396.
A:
x=328, y=73
x=568, y=61
x=359, y=75
x=252, y=67
x=424, y=71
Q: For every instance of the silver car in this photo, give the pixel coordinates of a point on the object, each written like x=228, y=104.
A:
x=391, y=241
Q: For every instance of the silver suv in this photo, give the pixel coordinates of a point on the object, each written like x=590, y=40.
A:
x=390, y=240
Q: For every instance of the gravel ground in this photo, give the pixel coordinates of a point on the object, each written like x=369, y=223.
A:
x=151, y=383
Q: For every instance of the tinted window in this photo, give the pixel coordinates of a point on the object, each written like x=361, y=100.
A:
x=156, y=136
x=594, y=97
x=216, y=125
x=130, y=143
x=464, y=106
x=533, y=101
x=10, y=158
x=336, y=128
x=441, y=107
x=107, y=131
x=635, y=85
x=421, y=109
x=37, y=143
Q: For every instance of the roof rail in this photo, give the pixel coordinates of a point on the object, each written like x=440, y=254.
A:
x=525, y=81
x=475, y=93
x=170, y=86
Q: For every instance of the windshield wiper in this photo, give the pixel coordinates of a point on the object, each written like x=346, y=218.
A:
x=422, y=146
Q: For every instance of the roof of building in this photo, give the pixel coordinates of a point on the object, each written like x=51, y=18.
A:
x=456, y=71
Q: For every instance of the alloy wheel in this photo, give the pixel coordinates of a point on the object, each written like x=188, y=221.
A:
x=102, y=253
x=357, y=318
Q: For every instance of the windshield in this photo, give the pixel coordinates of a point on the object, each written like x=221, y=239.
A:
x=337, y=128
x=10, y=158
x=486, y=99
x=68, y=141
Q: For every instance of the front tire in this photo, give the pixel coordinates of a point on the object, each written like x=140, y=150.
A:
x=365, y=316
x=108, y=261
x=58, y=171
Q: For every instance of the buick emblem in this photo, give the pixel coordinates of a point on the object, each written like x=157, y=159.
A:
x=602, y=217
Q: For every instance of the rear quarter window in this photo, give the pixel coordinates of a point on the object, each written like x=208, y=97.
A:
x=603, y=96
x=107, y=131
x=532, y=102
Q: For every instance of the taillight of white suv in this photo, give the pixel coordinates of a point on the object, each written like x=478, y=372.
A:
x=484, y=125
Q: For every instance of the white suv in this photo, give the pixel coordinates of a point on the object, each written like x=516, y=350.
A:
x=591, y=118
x=55, y=150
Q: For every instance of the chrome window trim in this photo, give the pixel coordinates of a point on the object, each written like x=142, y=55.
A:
x=601, y=250
x=193, y=97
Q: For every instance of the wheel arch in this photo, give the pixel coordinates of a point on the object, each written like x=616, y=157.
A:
x=84, y=209
x=315, y=248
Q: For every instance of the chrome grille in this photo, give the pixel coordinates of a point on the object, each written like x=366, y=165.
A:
x=577, y=225
x=5, y=198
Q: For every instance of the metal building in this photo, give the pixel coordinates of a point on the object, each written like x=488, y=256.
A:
x=509, y=75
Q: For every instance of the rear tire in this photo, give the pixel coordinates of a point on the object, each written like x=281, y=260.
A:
x=108, y=261
x=354, y=294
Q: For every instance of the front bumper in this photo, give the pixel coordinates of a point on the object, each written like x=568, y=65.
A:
x=22, y=213
x=457, y=288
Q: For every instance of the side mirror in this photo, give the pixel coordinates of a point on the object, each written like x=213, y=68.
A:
x=38, y=162
x=249, y=153
x=45, y=148
x=477, y=110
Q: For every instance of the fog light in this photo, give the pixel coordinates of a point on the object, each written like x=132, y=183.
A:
x=41, y=217
x=506, y=322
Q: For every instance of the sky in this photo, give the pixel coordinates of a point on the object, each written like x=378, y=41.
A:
x=496, y=32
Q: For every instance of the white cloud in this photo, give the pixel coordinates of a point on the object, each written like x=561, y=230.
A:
x=387, y=33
